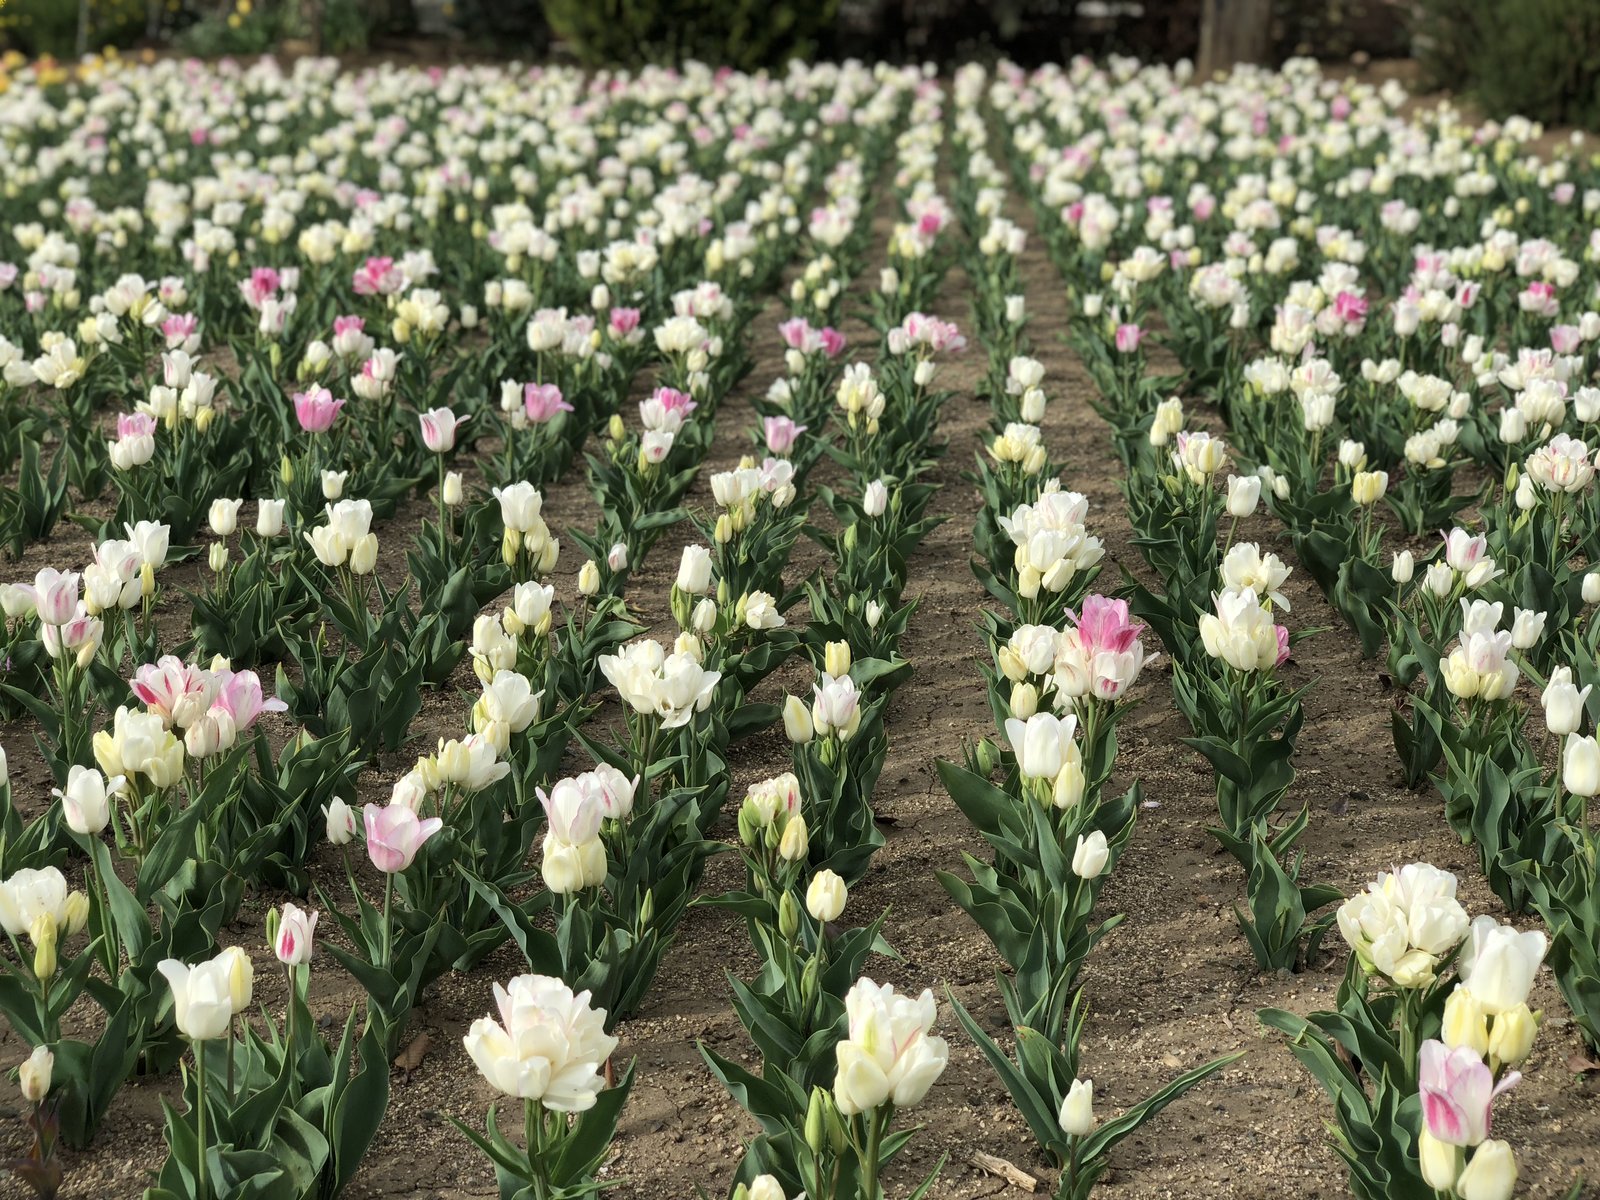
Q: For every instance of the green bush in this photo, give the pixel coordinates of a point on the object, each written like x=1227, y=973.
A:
x=1534, y=58
x=735, y=33
x=38, y=27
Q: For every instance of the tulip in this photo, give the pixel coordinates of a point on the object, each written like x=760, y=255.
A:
x=1457, y=1089
x=1580, y=766
x=796, y=720
x=795, y=844
x=202, y=996
x=694, y=571
x=269, y=518
x=1511, y=1035
x=1440, y=1161
x=1491, y=1173
x=1077, y=1109
x=1090, y=856
x=296, y=930
x=1465, y=1022
x=1368, y=487
x=1244, y=493
x=316, y=409
x=1563, y=702
x=1527, y=628
x=452, y=490
x=341, y=822
x=223, y=517
x=888, y=1055
x=1042, y=744
x=548, y=1046
x=826, y=896
x=34, y=1074
x=875, y=500
x=394, y=835
x=439, y=427
x=85, y=801
x=1498, y=963
x=1591, y=588
x=765, y=1187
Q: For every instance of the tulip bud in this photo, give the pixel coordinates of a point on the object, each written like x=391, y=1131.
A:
x=1491, y=1173
x=826, y=896
x=836, y=658
x=1024, y=701
x=795, y=844
x=1580, y=766
x=1465, y=1022
x=766, y=1187
x=796, y=720
x=364, y=555
x=1527, y=628
x=788, y=917
x=1591, y=588
x=269, y=518
x=43, y=933
x=333, y=484
x=816, y=1119
x=1403, y=567
x=452, y=488
x=704, y=617
x=241, y=978
x=341, y=822
x=588, y=579
x=75, y=914
x=1091, y=855
x=217, y=557
x=34, y=1074
x=1441, y=1162
x=1077, y=1109
x=1244, y=492
x=1511, y=1035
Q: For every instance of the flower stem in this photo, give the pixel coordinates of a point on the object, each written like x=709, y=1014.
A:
x=200, y=1117
x=388, y=927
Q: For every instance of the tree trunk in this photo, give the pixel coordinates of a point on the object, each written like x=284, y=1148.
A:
x=1233, y=32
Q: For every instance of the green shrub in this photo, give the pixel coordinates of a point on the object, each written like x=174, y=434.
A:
x=736, y=33
x=38, y=27
x=1534, y=58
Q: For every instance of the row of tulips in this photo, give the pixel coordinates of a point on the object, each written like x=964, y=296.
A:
x=839, y=1053
x=1064, y=663
x=1374, y=331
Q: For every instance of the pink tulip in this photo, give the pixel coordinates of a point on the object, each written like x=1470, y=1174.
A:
x=377, y=277
x=674, y=401
x=1457, y=1089
x=179, y=328
x=832, y=341
x=439, y=427
x=296, y=933
x=781, y=434
x=57, y=595
x=316, y=409
x=395, y=834
x=1564, y=338
x=241, y=697
x=348, y=325
x=1283, y=644
x=542, y=401
x=1128, y=338
x=1104, y=625
x=262, y=286
x=796, y=333
x=624, y=321
x=135, y=424
x=164, y=685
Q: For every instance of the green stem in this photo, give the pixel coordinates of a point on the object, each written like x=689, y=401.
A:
x=869, y=1167
x=388, y=927
x=200, y=1117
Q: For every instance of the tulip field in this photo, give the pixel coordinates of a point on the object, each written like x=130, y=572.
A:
x=845, y=633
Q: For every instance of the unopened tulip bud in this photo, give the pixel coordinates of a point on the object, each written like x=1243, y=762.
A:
x=1511, y=1035
x=1440, y=1161
x=1580, y=766
x=452, y=488
x=1024, y=701
x=588, y=579
x=788, y=917
x=269, y=518
x=341, y=822
x=1490, y=1174
x=617, y=557
x=217, y=557
x=1091, y=855
x=1403, y=566
x=816, y=1118
x=796, y=843
x=1591, y=588
x=333, y=484
x=1527, y=628
x=1465, y=1022
x=1077, y=1109
x=1244, y=493
x=704, y=617
x=34, y=1074
x=75, y=914
x=364, y=555
x=826, y=897
x=836, y=658
x=796, y=720
x=43, y=933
